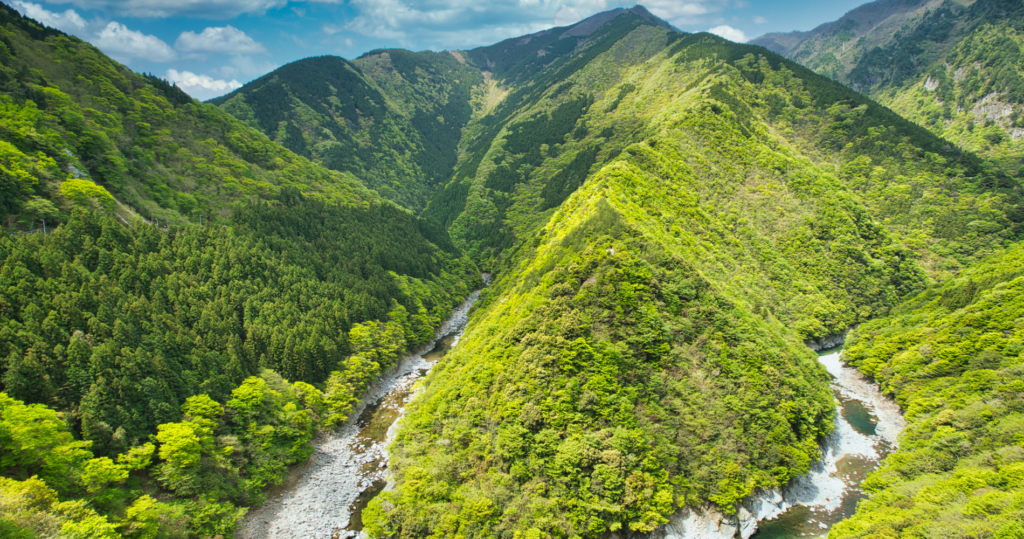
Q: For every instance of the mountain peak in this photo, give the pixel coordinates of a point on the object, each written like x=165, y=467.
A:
x=592, y=23
x=885, y=15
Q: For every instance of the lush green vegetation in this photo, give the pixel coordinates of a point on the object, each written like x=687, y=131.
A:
x=119, y=325
x=603, y=385
x=143, y=368
x=951, y=67
x=140, y=335
x=671, y=216
x=953, y=357
x=76, y=128
x=725, y=177
x=391, y=117
x=192, y=479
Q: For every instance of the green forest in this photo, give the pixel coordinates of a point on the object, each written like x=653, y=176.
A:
x=953, y=357
x=192, y=293
x=953, y=67
x=391, y=117
x=699, y=253
x=80, y=130
x=136, y=332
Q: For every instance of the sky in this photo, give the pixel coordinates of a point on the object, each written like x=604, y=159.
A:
x=210, y=47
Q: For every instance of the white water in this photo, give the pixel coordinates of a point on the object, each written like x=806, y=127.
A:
x=344, y=465
x=828, y=484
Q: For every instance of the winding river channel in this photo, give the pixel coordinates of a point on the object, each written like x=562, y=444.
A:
x=868, y=425
x=324, y=497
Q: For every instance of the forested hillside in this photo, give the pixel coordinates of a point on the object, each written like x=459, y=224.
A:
x=392, y=117
x=673, y=214
x=953, y=66
x=118, y=328
x=670, y=218
x=157, y=380
x=78, y=129
x=954, y=358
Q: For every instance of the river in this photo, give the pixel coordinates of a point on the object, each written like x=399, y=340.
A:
x=867, y=427
x=873, y=422
x=325, y=496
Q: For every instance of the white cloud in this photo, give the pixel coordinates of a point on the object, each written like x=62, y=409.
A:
x=69, y=21
x=244, y=66
x=218, y=39
x=207, y=9
x=682, y=13
x=760, y=20
x=566, y=16
x=458, y=23
x=331, y=29
x=730, y=33
x=201, y=86
x=121, y=43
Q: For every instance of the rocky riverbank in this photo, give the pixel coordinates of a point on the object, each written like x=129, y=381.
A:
x=826, y=343
x=352, y=459
x=867, y=427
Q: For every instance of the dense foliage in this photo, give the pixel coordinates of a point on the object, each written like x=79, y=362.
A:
x=119, y=325
x=953, y=357
x=141, y=336
x=953, y=68
x=391, y=117
x=794, y=127
x=734, y=195
x=670, y=216
x=609, y=384
x=190, y=479
x=77, y=127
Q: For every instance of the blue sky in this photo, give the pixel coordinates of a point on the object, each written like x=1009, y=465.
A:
x=210, y=47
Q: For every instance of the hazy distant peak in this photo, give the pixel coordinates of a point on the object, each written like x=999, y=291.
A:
x=592, y=23
x=858, y=22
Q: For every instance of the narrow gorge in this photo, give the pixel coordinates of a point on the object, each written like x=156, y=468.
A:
x=324, y=497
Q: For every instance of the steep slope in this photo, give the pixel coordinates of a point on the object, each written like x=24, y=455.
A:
x=711, y=206
x=78, y=127
x=395, y=118
x=391, y=117
x=952, y=66
x=157, y=380
x=541, y=143
x=670, y=218
x=517, y=59
x=953, y=357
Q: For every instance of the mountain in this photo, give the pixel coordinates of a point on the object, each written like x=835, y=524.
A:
x=80, y=129
x=952, y=357
x=395, y=118
x=391, y=117
x=187, y=262
x=951, y=66
x=670, y=218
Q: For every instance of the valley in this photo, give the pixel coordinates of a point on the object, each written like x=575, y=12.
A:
x=349, y=465
x=273, y=314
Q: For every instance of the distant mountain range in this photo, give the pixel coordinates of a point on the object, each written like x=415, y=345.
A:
x=953, y=66
x=669, y=218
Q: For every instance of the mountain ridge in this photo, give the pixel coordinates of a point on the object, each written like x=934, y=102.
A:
x=950, y=66
x=669, y=217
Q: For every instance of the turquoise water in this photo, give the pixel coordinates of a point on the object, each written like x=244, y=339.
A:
x=860, y=418
x=802, y=523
